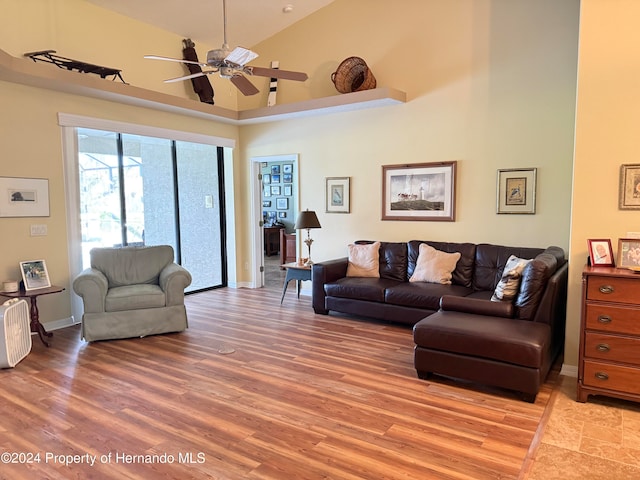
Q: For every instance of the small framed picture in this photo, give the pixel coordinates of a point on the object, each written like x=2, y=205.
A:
x=275, y=190
x=338, y=195
x=275, y=178
x=287, y=190
x=629, y=253
x=629, y=187
x=287, y=168
x=601, y=253
x=517, y=190
x=275, y=169
x=287, y=178
x=282, y=214
x=266, y=178
x=266, y=203
x=267, y=191
x=282, y=203
x=34, y=274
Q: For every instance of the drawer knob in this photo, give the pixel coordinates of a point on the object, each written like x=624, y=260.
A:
x=601, y=376
x=604, y=319
x=603, y=347
x=606, y=289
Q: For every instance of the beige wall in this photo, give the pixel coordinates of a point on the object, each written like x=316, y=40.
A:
x=490, y=83
x=608, y=115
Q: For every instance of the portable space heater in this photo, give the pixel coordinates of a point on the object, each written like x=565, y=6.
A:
x=15, y=334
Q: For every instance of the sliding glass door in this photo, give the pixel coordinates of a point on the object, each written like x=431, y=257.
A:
x=139, y=190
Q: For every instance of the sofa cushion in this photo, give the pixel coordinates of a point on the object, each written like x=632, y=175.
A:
x=131, y=265
x=534, y=281
x=134, y=297
x=359, y=288
x=463, y=273
x=421, y=295
x=364, y=260
x=434, y=266
x=503, y=339
x=490, y=261
x=508, y=286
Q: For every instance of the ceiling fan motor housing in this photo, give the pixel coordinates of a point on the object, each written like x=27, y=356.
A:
x=217, y=56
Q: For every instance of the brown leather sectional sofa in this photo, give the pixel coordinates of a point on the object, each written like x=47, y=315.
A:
x=458, y=331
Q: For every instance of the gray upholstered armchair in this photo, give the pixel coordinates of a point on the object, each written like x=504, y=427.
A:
x=132, y=292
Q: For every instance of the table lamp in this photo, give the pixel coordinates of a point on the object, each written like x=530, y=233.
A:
x=307, y=220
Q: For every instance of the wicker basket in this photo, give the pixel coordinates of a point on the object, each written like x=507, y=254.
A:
x=353, y=75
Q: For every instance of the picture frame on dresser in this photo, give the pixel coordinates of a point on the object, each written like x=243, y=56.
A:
x=629, y=253
x=600, y=252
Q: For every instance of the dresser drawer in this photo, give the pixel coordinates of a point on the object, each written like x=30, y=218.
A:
x=612, y=289
x=611, y=377
x=609, y=318
x=612, y=347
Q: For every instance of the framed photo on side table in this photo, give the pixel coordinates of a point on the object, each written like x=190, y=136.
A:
x=34, y=274
x=629, y=253
x=516, y=190
x=338, y=195
x=601, y=253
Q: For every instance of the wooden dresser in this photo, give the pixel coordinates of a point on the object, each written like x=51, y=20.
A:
x=609, y=362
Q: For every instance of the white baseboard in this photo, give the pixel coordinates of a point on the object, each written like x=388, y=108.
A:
x=569, y=370
x=58, y=324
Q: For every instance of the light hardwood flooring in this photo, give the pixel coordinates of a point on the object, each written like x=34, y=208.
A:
x=258, y=390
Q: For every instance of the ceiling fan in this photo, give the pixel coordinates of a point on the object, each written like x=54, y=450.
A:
x=232, y=64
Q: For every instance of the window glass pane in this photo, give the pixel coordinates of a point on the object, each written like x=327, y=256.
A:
x=99, y=190
x=200, y=232
x=149, y=191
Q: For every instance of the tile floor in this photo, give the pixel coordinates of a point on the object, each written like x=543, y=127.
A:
x=598, y=440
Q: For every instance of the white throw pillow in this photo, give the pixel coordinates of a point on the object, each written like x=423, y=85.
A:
x=364, y=260
x=434, y=266
x=509, y=284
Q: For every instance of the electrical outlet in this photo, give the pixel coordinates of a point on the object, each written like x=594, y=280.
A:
x=38, y=230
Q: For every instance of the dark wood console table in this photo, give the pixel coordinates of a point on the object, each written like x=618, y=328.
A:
x=32, y=295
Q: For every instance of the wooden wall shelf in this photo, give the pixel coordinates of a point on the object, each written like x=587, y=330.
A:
x=27, y=72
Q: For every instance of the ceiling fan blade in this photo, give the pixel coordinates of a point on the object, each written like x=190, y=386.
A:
x=187, y=77
x=169, y=59
x=241, y=56
x=244, y=85
x=276, y=73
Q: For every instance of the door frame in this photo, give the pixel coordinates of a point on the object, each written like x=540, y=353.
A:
x=257, y=232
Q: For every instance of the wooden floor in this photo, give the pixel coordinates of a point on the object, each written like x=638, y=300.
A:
x=302, y=396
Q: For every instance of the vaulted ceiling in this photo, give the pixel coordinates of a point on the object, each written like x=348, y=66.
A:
x=248, y=21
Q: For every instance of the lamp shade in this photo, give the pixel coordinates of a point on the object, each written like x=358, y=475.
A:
x=307, y=219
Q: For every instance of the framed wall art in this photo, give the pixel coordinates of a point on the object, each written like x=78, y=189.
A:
x=516, y=190
x=629, y=187
x=34, y=274
x=338, y=195
x=420, y=191
x=282, y=203
x=600, y=252
x=24, y=197
x=629, y=253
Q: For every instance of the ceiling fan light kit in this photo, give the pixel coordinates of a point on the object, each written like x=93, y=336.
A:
x=232, y=64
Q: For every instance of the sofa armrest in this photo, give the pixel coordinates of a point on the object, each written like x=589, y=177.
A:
x=477, y=306
x=92, y=286
x=325, y=272
x=173, y=280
